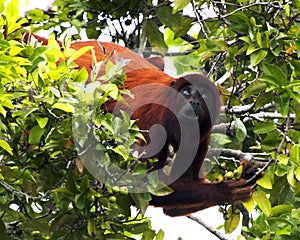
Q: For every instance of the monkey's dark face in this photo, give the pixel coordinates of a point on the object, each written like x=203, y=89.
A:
x=202, y=97
x=195, y=108
x=201, y=105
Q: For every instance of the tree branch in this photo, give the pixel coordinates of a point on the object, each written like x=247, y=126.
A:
x=274, y=4
x=208, y=227
x=245, y=109
x=283, y=139
x=17, y=193
x=258, y=159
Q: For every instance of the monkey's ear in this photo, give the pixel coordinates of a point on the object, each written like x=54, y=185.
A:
x=157, y=62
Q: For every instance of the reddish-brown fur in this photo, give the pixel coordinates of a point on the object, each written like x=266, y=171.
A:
x=191, y=192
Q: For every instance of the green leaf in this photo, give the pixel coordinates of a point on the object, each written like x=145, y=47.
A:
x=265, y=182
x=294, y=83
x=259, y=39
x=281, y=170
x=264, y=127
x=254, y=88
x=216, y=45
x=148, y=234
x=2, y=6
x=2, y=111
x=295, y=95
x=257, y=57
x=110, y=89
x=241, y=131
x=121, y=150
x=160, y=235
x=263, y=99
x=155, y=37
x=37, y=225
x=176, y=22
x=220, y=139
x=80, y=200
x=80, y=76
x=42, y=122
x=137, y=227
x=12, y=9
x=5, y=102
x=283, y=159
x=161, y=190
x=79, y=53
x=271, y=141
x=6, y=146
x=15, y=50
x=269, y=80
x=249, y=205
x=282, y=103
x=71, y=184
x=279, y=73
x=291, y=177
x=297, y=43
x=296, y=214
x=281, y=209
x=64, y=107
x=91, y=228
x=179, y=5
x=240, y=22
x=35, y=135
x=295, y=153
x=141, y=200
x=263, y=202
x=296, y=3
x=84, y=185
x=232, y=223
x=3, y=231
x=246, y=39
x=56, y=92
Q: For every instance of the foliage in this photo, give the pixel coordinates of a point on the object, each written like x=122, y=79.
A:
x=45, y=191
x=251, y=50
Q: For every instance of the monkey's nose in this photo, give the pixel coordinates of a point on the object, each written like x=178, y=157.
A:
x=188, y=112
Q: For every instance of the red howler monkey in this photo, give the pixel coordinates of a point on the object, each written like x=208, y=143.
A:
x=195, y=109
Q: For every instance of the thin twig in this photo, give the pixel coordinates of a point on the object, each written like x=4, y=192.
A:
x=249, y=6
x=209, y=228
x=258, y=173
x=283, y=139
x=199, y=20
x=17, y=192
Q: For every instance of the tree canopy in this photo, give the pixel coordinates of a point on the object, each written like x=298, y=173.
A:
x=250, y=49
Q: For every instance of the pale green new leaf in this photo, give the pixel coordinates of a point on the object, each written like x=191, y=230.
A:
x=262, y=201
x=42, y=122
x=6, y=146
x=64, y=107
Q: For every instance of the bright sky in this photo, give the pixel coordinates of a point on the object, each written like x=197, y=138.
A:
x=29, y=4
x=173, y=227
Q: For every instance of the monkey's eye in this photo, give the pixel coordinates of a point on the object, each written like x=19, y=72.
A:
x=188, y=91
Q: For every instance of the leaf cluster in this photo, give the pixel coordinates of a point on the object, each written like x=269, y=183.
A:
x=250, y=49
x=46, y=191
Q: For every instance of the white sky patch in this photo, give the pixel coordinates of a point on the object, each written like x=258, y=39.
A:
x=26, y=5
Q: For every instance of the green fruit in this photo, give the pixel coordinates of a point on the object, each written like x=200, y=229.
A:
x=115, y=189
x=112, y=199
x=124, y=191
x=223, y=165
x=229, y=175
